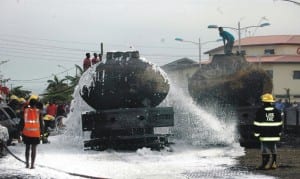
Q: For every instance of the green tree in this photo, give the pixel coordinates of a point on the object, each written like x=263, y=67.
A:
x=18, y=91
x=58, y=91
x=61, y=91
x=75, y=79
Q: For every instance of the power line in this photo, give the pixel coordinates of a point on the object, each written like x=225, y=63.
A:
x=50, y=40
x=35, y=49
x=51, y=47
x=42, y=45
x=78, y=42
x=24, y=51
x=38, y=58
x=295, y=2
x=46, y=77
x=17, y=50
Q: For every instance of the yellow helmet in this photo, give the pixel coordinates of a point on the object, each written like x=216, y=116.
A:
x=22, y=100
x=267, y=98
x=12, y=97
x=36, y=97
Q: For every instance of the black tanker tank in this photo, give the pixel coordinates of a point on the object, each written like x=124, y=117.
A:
x=234, y=85
x=126, y=81
x=125, y=92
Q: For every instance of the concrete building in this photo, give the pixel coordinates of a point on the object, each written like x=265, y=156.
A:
x=277, y=54
x=180, y=71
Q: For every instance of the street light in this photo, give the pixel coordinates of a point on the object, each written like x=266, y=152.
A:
x=197, y=43
x=239, y=30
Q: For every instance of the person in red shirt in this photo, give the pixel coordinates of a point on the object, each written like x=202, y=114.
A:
x=49, y=118
x=51, y=109
x=95, y=59
x=87, y=62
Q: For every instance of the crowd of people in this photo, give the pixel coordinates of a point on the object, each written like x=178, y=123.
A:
x=88, y=62
x=36, y=121
x=49, y=109
x=283, y=105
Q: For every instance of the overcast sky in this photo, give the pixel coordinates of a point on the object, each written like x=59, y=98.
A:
x=41, y=38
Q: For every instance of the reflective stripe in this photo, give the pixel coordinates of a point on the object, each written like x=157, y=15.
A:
x=267, y=123
x=269, y=108
x=31, y=121
x=31, y=129
x=269, y=139
x=256, y=134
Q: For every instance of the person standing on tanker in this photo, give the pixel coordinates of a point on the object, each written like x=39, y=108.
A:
x=268, y=127
x=31, y=127
x=95, y=59
x=87, y=62
x=228, y=41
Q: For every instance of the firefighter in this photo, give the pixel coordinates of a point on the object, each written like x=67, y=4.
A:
x=31, y=126
x=268, y=128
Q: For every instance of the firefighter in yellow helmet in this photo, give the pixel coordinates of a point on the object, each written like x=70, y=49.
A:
x=268, y=128
x=31, y=127
x=33, y=96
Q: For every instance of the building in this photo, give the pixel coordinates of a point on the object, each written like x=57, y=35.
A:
x=180, y=71
x=279, y=55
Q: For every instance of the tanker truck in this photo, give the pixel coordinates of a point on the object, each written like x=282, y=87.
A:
x=125, y=92
x=233, y=85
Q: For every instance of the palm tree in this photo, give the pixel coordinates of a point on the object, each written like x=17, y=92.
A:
x=56, y=84
x=18, y=91
x=75, y=79
x=57, y=90
x=60, y=91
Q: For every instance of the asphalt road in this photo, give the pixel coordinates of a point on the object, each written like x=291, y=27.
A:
x=288, y=158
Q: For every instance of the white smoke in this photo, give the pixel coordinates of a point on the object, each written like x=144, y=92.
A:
x=195, y=125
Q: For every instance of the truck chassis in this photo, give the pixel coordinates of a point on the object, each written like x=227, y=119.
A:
x=127, y=128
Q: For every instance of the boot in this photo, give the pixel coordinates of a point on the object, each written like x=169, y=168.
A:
x=265, y=161
x=274, y=163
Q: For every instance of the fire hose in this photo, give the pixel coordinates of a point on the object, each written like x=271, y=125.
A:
x=43, y=166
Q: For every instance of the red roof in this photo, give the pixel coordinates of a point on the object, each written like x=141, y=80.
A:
x=275, y=59
x=265, y=40
x=270, y=40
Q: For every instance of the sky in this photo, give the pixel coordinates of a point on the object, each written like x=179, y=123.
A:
x=43, y=38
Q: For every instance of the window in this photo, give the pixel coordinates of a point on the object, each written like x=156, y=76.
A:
x=243, y=52
x=269, y=51
x=296, y=75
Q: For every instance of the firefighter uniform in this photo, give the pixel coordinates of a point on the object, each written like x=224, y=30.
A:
x=267, y=127
x=31, y=126
x=32, y=123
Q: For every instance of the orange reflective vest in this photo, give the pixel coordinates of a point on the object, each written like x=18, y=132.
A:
x=31, y=122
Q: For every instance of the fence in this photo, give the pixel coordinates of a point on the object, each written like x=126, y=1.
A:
x=291, y=120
